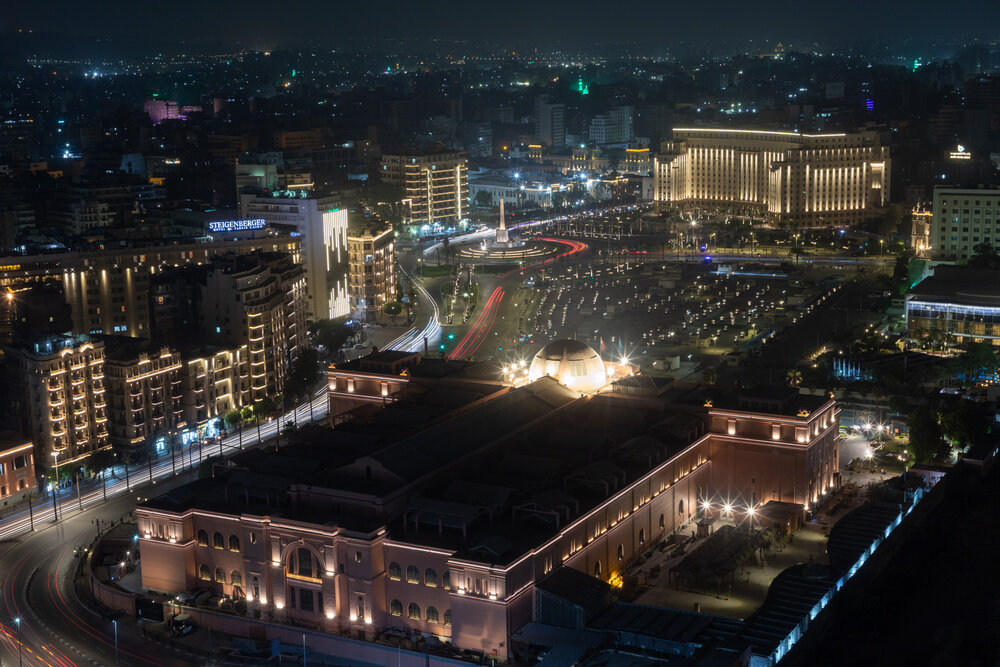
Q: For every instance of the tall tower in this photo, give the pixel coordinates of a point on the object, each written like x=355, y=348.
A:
x=502, y=229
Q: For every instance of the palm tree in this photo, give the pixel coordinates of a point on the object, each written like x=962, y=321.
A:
x=793, y=377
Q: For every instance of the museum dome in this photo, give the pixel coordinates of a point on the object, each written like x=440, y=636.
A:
x=574, y=364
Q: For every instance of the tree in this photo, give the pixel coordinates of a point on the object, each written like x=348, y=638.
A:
x=99, y=460
x=330, y=334
x=484, y=199
x=984, y=257
x=793, y=377
x=302, y=374
x=709, y=375
x=265, y=407
x=964, y=424
x=925, y=434
x=233, y=419
x=392, y=308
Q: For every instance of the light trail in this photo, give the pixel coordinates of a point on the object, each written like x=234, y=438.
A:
x=413, y=340
x=480, y=329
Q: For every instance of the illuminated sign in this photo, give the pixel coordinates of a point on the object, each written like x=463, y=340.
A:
x=960, y=154
x=237, y=225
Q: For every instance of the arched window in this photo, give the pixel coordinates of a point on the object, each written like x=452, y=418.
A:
x=446, y=580
x=235, y=578
x=680, y=507
x=662, y=522
x=220, y=575
x=202, y=538
x=430, y=577
x=597, y=569
x=432, y=615
x=413, y=611
x=205, y=573
x=395, y=573
x=234, y=543
x=412, y=574
x=642, y=536
x=302, y=563
x=396, y=608
x=621, y=551
x=217, y=541
x=447, y=617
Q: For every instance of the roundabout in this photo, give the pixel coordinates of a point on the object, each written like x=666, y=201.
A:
x=491, y=252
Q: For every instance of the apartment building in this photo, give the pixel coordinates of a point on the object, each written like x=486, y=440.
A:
x=144, y=392
x=371, y=269
x=434, y=183
x=963, y=218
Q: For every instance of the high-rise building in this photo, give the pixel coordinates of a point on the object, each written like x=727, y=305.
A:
x=58, y=384
x=258, y=301
x=215, y=382
x=962, y=219
x=550, y=123
x=434, y=183
x=321, y=224
x=144, y=392
x=372, y=272
x=802, y=178
x=612, y=127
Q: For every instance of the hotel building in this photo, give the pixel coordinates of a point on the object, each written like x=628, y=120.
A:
x=144, y=389
x=446, y=527
x=59, y=389
x=215, y=382
x=434, y=182
x=962, y=219
x=809, y=179
x=371, y=270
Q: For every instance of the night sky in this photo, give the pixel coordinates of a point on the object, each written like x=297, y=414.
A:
x=516, y=22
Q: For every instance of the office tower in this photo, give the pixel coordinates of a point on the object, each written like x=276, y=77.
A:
x=550, y=123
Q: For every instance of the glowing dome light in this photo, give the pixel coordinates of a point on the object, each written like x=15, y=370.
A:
x=572, y=363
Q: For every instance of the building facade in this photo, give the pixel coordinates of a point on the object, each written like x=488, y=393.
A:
x=808, y=179
x=371, y=270
x=215, y=382
x=17, y=467
x=462, y=564
x=955, y=305
x=550, y=123
x=59, y=386
x=962, y=219
x=145, y=393
x=434, y=183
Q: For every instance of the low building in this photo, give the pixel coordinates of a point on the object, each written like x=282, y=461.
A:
x=955, y=305
x=17, y=467
x=59, y=390
x=439, y=513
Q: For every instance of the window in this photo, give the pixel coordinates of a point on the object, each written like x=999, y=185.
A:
x=680, y=507
x=234, y=543
x=217, y=541
x=396, y=608
x=357, y=557
x=235, y=578
x=395, y=571
x=642, y=536
x=300, y=563
x=662, y=523
x=447, y=617
x=202, y=538
x=306, y=600
x=220, y=575
x=253, y=538
x=430, y=578
x=432, y=615
x=597, y=569
x=204, y=573
x=446, y=580
x=621, y=551
x=412, y=574
x=413, y=611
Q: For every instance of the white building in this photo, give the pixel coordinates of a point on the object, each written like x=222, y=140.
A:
x=962, y=219
x=322, y=222
x=612, y=127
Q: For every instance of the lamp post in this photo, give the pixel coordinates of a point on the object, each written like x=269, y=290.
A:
x=55, y=490
x=17, y=622
x=115, y=623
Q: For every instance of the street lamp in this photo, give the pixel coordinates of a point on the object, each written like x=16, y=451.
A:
x=55, y=490
x=17, y=622
x=115, y=623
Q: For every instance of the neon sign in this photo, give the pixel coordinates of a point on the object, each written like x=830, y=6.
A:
x=237, y=225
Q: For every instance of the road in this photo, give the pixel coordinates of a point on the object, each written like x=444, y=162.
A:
x=55, y=630
x=413, y=340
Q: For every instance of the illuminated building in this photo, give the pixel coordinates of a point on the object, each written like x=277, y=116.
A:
x=321, y=224
x=956, y=304
x=59, y=387
x=433, y=181
x=612, y=127
x=573, y=363
x=215, y=382
x=144, y=392
x=258, y=301
x=815, y=179
x=17, y=466
x=962, y=219
x=445, y=525
x=372, y=270
x=922, y=223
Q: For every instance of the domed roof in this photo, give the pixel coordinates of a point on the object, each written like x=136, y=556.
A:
x=572, y=363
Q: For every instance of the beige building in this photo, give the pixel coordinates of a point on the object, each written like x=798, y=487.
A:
x=60, y=395
x=811, y=179
x=371, y=272
x=17, y=467
x=435, y=183
x=259, y=301
x=215, y=382
x=962, y=219
x=145, y=393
